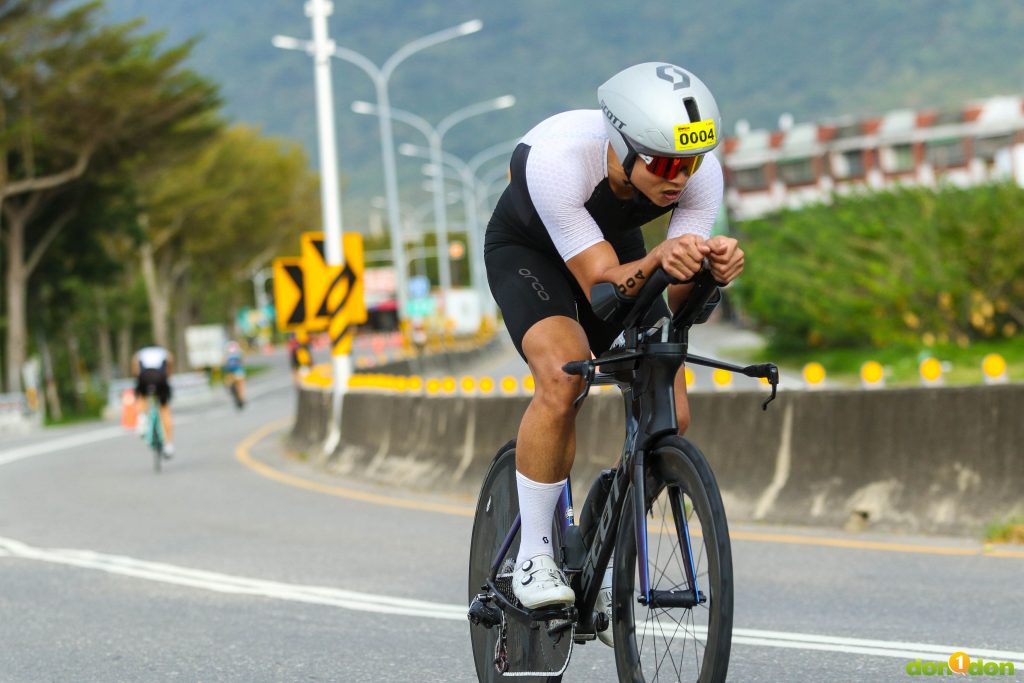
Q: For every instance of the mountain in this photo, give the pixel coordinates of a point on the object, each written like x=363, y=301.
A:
x=813, y=59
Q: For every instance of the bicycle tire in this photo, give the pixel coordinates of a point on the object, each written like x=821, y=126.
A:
x=233, y=388
x=156, y=441
x=643, y=653
x=496, y=510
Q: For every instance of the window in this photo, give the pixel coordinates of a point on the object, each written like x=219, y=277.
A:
x=749, y=178
x=902, y=158
x=945, y=153
x=986, y=148
x=796, y=171
x=848, y=164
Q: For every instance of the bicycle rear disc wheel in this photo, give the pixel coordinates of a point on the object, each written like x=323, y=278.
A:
x=496, y=510
x=675, y=643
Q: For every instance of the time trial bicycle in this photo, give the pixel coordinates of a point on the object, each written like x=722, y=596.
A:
x=659, y=509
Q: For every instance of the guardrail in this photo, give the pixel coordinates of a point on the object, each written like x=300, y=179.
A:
x=916, y=459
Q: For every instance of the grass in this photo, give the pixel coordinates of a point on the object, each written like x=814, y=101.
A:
x=962, y=365
x=1010, y=531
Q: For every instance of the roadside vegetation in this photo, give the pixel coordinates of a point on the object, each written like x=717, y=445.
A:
x=893, y=277
x=1010, y=531
x=129, y=207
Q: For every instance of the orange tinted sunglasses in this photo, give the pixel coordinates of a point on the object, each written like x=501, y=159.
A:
x=670, y=167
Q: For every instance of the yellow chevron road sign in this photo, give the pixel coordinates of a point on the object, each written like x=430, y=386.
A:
x=335, y=299
x=289, y=299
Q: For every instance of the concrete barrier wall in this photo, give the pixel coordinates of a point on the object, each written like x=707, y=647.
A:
x=312, y=419
x=920, y=459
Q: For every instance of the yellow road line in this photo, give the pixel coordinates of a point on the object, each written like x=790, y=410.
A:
x=869, y=545
x=243, y=455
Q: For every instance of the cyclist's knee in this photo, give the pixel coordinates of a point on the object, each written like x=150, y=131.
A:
x=555, y=391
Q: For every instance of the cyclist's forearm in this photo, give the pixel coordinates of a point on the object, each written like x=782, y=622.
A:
x=630, y=277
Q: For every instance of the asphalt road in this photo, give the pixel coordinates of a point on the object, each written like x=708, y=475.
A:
x=238, y=563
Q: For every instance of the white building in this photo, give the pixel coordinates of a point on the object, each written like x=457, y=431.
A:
x=806, y=163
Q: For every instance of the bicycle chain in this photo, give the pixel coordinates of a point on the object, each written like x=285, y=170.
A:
x=501, y=647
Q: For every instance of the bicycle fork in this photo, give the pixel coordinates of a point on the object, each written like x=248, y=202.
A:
x=687, y=598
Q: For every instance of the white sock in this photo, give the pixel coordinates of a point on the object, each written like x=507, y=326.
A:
x=537, y=503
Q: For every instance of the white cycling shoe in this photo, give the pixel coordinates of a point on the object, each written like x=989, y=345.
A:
x=604, y=604
x=539, y=583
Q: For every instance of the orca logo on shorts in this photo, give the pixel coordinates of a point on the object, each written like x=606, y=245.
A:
x=537, y=286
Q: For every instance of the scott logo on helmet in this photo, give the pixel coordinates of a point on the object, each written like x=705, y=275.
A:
x=668, y=72
x=612, y=118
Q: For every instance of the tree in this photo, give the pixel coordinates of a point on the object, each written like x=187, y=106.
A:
x=75, y=96
x=217, y=215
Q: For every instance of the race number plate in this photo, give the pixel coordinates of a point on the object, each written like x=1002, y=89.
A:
x=695, y=135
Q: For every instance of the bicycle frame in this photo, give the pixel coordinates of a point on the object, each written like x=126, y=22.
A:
x=644, y=370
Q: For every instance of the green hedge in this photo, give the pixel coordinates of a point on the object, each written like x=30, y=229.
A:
x=912, y=267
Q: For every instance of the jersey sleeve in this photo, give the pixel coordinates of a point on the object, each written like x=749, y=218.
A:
x=700, y=202
x=560, y=180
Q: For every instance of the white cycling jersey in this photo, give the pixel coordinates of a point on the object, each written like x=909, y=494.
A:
x=153, y=358
x=568, y=159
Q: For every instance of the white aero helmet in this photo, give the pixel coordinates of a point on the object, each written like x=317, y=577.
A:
x=660, y=112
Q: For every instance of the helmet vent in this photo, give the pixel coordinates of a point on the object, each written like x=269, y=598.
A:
x=691, y=109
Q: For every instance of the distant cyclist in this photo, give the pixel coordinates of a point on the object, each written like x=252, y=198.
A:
x=234, y=371
x=153, y=367
x=582, y=184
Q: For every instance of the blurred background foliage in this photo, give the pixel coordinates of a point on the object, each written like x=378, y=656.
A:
x=912, y=268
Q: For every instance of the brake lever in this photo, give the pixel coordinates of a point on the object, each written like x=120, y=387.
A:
x=773, y=379
x=585, y=369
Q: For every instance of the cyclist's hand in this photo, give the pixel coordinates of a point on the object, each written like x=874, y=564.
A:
x=682, y=257
x=725, y=258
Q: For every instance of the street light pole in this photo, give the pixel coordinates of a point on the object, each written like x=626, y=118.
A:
x=380, y=77
x=435, y=135
x=330, y=198
x=471, y=189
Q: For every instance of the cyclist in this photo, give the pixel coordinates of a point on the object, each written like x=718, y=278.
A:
x=234, y=370
x=153, y=367
x=582, y=184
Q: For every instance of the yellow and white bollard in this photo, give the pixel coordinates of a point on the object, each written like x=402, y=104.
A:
x=930, y=370
x=509, y=385
x=722, y=379
x=993, y=369
x=814, y=375
x=872, y=375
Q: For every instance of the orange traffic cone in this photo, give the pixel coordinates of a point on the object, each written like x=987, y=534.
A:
x=129, y=411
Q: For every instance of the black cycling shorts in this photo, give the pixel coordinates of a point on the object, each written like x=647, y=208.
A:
x=155, y=381
x=530, y=285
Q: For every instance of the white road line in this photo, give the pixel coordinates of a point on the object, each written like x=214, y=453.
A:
x=72, y=441
x=63, y=443
x=386, y=604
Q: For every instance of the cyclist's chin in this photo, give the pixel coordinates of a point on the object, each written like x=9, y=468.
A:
x=662, y=197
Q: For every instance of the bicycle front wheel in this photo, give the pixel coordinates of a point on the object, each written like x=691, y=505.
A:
x=686, y=634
